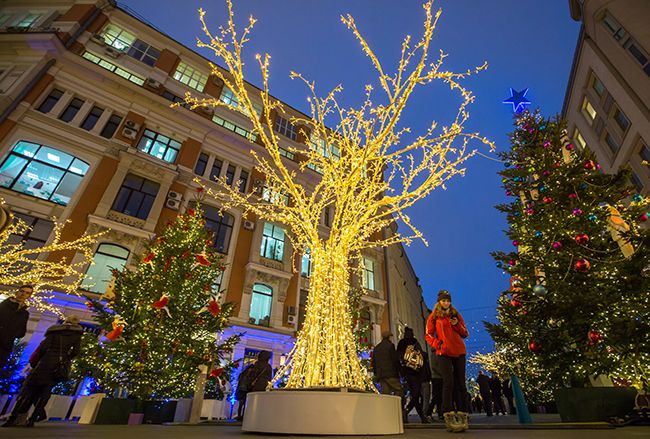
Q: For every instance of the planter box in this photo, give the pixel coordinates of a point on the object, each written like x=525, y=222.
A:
x=591, y=404
x=158, y=412
x=88, y=408
x=58, y=407
x=115, y=411
x=212, y=409
x=4, y=399
x=183, y=410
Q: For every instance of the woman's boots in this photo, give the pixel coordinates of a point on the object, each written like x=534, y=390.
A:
x=456, y=422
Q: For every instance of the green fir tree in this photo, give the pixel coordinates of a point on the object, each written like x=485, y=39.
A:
x=578, y=303
x=163, y=319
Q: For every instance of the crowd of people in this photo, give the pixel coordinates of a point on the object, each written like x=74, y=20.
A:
x=406, y=371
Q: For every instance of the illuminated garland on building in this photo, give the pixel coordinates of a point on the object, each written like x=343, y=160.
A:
x=369, y=178
x=41, y=266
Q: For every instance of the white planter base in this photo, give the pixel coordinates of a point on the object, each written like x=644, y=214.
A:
x=322, y=412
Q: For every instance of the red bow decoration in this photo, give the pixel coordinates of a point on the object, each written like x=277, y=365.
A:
x=161, y=304
x=190, y=211
x=202, y=259
x=147, y=259
x=213, y=307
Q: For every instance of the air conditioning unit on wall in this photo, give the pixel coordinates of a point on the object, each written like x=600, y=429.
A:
x=113, y=52
x=172, y=204
x=129, y=133
x=132, y=124
x=249, y=225
x=173, y=195
x=292, y=320
x=152, y=83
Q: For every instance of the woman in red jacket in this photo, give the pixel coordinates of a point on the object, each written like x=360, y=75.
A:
x=445, y=333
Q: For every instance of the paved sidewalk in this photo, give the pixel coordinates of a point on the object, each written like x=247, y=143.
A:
x=64, y=430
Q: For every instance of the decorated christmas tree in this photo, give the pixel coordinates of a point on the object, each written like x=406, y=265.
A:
x=578, y=303
x=10, y=376
x=163, y=319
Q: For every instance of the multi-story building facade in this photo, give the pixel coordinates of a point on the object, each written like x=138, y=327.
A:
x=607, y=103
x=87, y=134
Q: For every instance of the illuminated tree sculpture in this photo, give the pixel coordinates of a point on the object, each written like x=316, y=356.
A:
x=369, y=177
x=22, y=265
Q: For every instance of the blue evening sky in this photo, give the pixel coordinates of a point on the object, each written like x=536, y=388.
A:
x=526, y=44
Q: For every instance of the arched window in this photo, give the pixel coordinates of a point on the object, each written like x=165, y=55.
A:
x=260, y=313
x=42, y=172
x=99, y=273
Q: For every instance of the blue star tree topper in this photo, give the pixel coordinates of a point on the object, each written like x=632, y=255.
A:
x=518, y=100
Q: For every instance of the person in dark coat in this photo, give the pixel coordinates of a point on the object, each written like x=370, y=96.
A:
x=13, y=321
x=414, y=376
x=436, y=388
x=50, y=364
x=507, y=392
x=495, y=387
x=254, y=378
x=486, y=393
x=385, y=367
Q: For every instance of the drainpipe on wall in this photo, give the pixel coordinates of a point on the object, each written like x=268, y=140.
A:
x=26, y=90
x=388, y=295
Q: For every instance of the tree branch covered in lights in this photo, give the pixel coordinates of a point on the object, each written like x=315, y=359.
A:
x=369, y=175
x=43, y=267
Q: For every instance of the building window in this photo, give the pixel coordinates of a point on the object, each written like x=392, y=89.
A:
x=28, y=20
x=144, y=52
x=36, y=236
x=42, y=172
x=216, y=169
x=638, y=53
x=612, y=143
x=201, y=164
x=4, y=18
x=305, y=264
x=272, y=242
x=176, y=99
x=577, y=137
x=285, y=153
x=101, y=62
x=597, y=86
x=243, y=180
x=261, y=301
x=136, y=196
x=368, y=280
x=614, y=27
x=621, y=120
x=71, y=110
x=221, y=226
x=108, y=257
x=159, y=146
x=230, y=175
x=274, y=197
x=284, y=127
x=190, y=76
x=216, y=285
x=588, y=110
x=50, y=101
x=111, y=126
x=636, y=181
x=117, y=37
x=91, y=120
x=234, y=128
x=645, y=154
x=327, y=221
x=229, y=98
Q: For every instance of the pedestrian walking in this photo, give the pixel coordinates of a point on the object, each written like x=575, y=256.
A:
x=497, y=395
x=445, y=333
x=508, y=393
x=13, y=321
x=254, y=378
x=51, y=364
x=483, y=382
x=412, y=362
x=436, y=388
x=385, y=367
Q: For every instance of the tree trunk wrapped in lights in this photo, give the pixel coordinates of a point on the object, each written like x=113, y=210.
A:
x=369, y=177
x=20, y=265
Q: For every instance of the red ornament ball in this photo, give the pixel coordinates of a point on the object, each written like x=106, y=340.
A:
x=569, y=147
x=573, y=195
x=512, y=262
x=594, y=336
x=589, y=164
x=535, y=347
x=582, y=265
x=582, y=238
x=515, y=243
x=516, y=303
x=643, y=218
x=557, y=245
x=548, y=200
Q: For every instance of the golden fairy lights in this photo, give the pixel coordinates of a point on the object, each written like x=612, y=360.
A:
x=20, y=265
x=369, y=177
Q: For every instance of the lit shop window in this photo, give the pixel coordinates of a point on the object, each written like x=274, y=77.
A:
x=305, y=265
x=159, y=146
x=261, y=301
x=42, y=172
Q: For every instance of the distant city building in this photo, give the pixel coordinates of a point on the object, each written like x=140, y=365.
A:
x=87, y=134
x=608, y=95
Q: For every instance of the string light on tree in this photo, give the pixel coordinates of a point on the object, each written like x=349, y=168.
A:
x=370, y=176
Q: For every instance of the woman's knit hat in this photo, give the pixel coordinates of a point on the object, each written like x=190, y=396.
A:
x=443, y=294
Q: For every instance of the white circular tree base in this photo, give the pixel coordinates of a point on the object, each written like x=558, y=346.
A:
x=323, y=412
